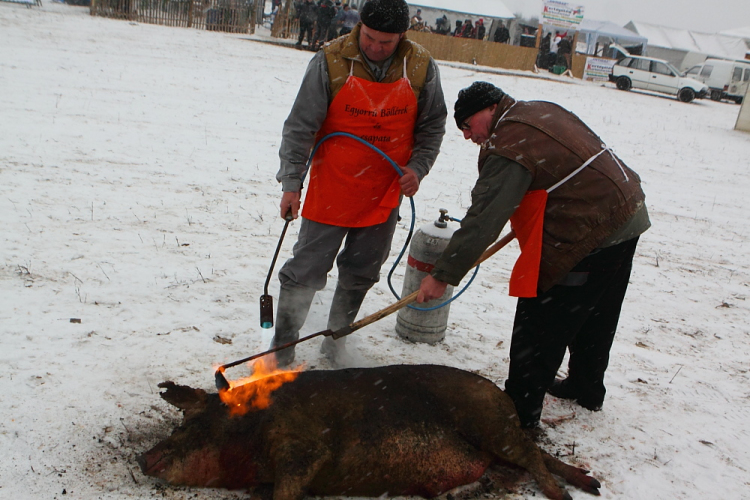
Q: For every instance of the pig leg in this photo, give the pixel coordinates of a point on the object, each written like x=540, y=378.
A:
x=487, y=418
x=296, y=463
x=573, y=475
x=511, y=445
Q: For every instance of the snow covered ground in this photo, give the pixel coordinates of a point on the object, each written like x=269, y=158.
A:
x=137, y=195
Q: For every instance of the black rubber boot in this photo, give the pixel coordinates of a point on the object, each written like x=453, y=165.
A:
x=294, y=304
x=344, y=309
x=564, y=389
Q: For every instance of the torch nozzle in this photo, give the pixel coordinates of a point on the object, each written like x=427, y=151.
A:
x=222, y=383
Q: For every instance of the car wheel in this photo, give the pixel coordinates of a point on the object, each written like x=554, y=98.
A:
x=716, y=95
x=623, y=83
x=686, y=94
x=738, y=100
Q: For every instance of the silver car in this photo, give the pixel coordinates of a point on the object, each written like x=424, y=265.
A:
x=657, y=75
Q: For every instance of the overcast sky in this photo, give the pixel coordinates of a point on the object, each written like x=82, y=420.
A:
x=710, y=16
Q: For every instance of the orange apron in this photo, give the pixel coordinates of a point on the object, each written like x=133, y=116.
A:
x=350, y=184
x=528, y=223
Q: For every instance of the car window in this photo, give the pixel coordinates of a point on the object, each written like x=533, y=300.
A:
x=642, y=64
x=661, y=68
x=747, y=75
x=694, y=70
x=737, y=74
x=706, y=71
x=625, y=61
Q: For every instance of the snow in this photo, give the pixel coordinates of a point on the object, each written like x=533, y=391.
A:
x=137, y=194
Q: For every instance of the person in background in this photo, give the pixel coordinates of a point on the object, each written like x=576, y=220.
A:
x=380, y=86
x=577, y=211
x=326, y=12
x=467, y=31
x=480, y=30
x=502, y=34
x=442, y=25
x=416, y=20
x=553, y=51
x=337, y=22
x=459, y=28
x=542, y=59
x=564, y=49
x=349, y=20
x=306, y=15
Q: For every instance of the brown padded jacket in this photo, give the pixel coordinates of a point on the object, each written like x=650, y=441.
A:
x=551, y=143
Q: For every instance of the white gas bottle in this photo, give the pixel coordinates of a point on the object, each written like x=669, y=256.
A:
x=426, y=246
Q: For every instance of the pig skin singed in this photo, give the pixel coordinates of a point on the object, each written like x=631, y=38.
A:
x=395, y=430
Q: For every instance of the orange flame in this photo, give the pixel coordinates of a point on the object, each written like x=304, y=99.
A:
x=255, y=391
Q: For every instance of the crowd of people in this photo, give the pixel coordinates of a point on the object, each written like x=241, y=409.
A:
x=555, y=52
x=322, y=21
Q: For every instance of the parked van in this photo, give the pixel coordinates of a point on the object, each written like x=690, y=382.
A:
x=725, y=79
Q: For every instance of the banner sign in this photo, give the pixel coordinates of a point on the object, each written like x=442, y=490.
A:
x=597, y=69
x=562, y=14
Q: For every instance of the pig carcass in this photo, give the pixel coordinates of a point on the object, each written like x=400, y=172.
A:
x=392, y=430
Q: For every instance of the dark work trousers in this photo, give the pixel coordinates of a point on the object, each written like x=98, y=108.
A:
x=306, y=27
x=580, y=314
x=359, y=262
x=321, y=35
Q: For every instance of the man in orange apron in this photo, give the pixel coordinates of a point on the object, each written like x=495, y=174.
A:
x=577, y=211
x=382, y=88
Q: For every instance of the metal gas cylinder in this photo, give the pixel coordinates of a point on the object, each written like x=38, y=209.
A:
x=426, y=246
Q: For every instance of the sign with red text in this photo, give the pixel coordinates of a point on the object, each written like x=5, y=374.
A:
x=562, y=14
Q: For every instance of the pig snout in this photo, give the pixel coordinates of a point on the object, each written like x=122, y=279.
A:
x=193, y=468
x=153, y=462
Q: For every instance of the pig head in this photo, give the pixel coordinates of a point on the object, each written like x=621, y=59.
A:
x=393, y=430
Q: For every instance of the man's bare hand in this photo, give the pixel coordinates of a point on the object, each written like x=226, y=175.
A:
x=290, y=202
x=430, y=289
x=409, y=182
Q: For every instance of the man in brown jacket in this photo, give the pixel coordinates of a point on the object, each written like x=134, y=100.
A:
x=577, y=211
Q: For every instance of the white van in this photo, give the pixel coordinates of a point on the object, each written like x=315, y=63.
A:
x=725, y=79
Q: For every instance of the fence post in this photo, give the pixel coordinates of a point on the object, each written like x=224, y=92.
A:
x=190, y=14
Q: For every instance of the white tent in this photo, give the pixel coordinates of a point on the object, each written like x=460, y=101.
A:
x=739, y=32
x=743, y=33
x=597, y=35
x=482, y=8
x=685, y=48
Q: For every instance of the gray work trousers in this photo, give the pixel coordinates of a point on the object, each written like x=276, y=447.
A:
x=365, y=251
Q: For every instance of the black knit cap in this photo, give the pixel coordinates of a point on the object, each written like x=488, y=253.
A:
x=388, y=16
x=475, y=98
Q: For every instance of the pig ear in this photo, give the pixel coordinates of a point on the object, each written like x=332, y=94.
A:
x=183, y=397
